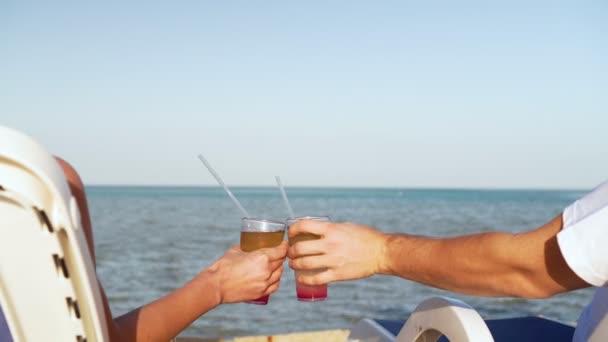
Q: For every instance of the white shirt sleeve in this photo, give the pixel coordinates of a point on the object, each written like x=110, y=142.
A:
x=583, y=240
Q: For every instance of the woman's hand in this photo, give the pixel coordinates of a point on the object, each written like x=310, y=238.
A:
x=242, y=276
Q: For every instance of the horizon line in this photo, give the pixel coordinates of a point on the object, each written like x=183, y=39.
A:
x=362, y=187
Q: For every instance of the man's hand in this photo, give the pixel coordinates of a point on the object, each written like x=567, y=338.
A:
x=242, y=276
x=345, y=251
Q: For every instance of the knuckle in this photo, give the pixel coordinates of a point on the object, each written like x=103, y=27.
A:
x=326, y=243
x=263, y=258
x=330, y=244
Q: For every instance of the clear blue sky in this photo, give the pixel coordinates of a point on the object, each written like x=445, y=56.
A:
x=344, y=93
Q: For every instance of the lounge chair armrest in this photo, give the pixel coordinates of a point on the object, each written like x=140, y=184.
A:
x=439, y=316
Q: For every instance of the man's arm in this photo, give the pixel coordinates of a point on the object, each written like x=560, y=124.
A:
x=526, y=265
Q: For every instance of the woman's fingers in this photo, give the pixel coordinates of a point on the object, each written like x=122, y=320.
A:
x=271, y=289
x=273, y=265
x=272, y=284
x=275, y=253
x=275, y=276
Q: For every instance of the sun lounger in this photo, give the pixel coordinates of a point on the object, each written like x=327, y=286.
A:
x=49, y=290
x=443, y=319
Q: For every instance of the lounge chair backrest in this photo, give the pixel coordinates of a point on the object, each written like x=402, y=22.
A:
x=48, y=285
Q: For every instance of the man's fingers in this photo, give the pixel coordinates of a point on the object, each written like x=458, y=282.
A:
x=320, y=278
x=313, y=262
x=308, y=226
x=275, y=253
x=310, y=247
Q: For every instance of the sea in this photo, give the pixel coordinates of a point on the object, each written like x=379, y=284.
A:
x=151, y=240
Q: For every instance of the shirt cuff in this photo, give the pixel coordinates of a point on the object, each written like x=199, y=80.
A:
x=580, y=247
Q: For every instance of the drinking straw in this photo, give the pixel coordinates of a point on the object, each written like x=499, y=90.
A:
x=219, y=180
x=284, y=194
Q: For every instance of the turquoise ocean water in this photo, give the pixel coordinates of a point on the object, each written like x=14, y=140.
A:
x=151, y=240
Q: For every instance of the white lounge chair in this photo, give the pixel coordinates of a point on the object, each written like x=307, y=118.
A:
x=433, y=318
x=48, y=286
x=441, y=319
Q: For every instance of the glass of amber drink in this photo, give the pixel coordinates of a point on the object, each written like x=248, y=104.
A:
x=308, y=293
x=257, y=234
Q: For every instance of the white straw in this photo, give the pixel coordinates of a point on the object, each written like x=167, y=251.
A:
x=219, y=180
x=284, y=194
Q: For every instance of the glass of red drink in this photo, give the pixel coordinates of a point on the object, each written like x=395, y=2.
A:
x=308, y=293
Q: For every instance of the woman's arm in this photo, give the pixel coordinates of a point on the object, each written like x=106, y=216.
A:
x=235, y=277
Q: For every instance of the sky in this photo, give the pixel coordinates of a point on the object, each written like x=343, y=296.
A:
x=457, y=94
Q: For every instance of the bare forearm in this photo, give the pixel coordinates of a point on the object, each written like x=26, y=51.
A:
x=466, y=264
x=488, y=264
x=164, y=318
x=235, y=277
